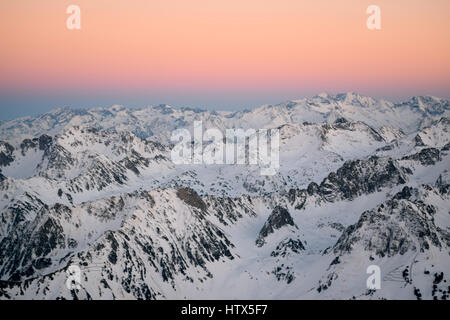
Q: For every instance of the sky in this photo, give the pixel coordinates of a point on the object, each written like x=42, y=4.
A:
x=217, y=54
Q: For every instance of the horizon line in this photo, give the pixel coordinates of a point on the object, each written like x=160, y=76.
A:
x=213, y=109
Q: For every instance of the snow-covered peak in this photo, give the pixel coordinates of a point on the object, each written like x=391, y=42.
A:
x=352, y=98
x=427, y=104
x=159, y=121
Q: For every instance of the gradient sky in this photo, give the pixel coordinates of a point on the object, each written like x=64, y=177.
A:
x=229, y=54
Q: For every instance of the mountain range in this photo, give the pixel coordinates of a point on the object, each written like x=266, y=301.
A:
x=361, y=182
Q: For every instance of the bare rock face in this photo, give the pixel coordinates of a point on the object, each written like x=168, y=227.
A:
x=401, y=224
x=287, y=247
x=426, y=157
x=45, y=142
x=191, y=198
x=279, y=217
x=6, y=153
x=359, y=177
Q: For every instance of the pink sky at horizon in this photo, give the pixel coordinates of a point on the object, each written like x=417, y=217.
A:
x=217, y=47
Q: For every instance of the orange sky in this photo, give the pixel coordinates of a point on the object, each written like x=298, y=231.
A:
x=225, y=45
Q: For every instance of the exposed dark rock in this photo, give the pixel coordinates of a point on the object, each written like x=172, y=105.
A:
x=386, y=148
x=404, y=194
x=394, y=227
x=28, y=246
x=297, y=197
x=42, y=263
x=344, y=124
x=6, y=153
x=284, y=273
x=446, y=147
x=359, y=177
x=426, y=157
x=312, y=188
x=27, y=144
x=417, y=293
x=279, y=217
x=191, y=198
x=134, y=161
x=335, y=261
x=45, y=142
x=287, y=246
x=438, y=278
x=112, y=256
x=341, y=120
x=59, y=159
x=418, y=141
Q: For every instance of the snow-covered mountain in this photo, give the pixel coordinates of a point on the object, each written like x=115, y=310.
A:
x=361, y=182
x=160, y=121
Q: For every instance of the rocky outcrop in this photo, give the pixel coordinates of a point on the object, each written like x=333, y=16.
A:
x=287, y=247
x=6, y=154
x=27, y=249
x=279, y=218
x=426, y=157
x=191, y=198
x=45, y=142
x=359, y=177
x=399, y=225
